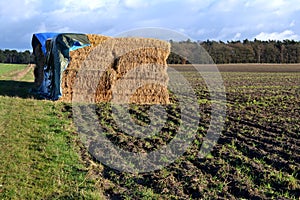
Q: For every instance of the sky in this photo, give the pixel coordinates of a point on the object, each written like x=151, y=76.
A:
x=223, y=20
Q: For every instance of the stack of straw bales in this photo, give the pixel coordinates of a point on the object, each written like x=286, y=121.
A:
x=133, y=69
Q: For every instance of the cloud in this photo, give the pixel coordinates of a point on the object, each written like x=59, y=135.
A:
x=136, y=4
x=293, y=23
x=279, y=7
x=226, y=6
x=87, y=5
x=237, y=36
x=18, y=10
x=200, y=20
x=287, y=34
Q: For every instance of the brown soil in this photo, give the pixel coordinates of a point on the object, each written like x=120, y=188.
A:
x=256, y=157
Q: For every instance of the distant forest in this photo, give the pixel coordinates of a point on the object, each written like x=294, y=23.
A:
x=286, y=51
x=16, y=57
x=184, y=52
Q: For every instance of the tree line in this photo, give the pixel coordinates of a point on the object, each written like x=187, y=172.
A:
x=286, y=51
x=184, y=52
x=16, y=57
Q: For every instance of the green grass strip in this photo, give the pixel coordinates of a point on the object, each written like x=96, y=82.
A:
x=38, y=155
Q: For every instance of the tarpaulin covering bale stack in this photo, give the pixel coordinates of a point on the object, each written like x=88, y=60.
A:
x=114, y=69
x=39, y=45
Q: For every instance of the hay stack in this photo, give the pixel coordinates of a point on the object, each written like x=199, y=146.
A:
x=76, y=59
x=130, y=69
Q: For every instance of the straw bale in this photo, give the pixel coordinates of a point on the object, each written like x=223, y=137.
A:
x=133, y=69
x=68, y=80
x=141, y=63
x=76, y=59
x=39, y=67
x=78, y=56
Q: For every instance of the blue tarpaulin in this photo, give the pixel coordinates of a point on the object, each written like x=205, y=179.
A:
x=57, y=59
x=42, y=38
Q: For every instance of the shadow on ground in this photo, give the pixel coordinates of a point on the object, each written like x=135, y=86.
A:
x=20, y=89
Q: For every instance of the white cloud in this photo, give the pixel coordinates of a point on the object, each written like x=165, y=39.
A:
x=226, y=5
x=136, y=4
x=83, y=5
x=200, y=31
x=287, y=34
x=18, y=10
x=200, y=20
x=27, y=2
x=237, y=36
x=142, y=4
x=293, y=23
x=230, y=33
x=277, y=7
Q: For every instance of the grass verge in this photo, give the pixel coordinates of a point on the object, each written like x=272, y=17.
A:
x=38, y=155
x=38, y=152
